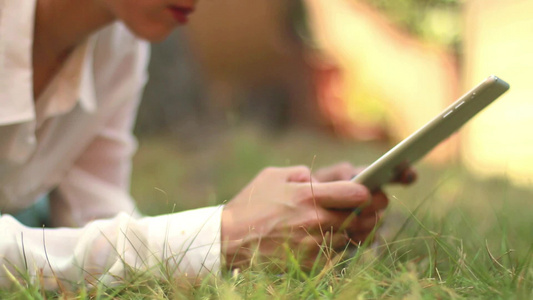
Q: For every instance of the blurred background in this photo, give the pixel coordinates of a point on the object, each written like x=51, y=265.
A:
x=247, y=84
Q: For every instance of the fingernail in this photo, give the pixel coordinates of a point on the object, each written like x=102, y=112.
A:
x=358, y=210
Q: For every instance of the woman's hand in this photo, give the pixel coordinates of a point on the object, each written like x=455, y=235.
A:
x=288, y=209
x=370, y=215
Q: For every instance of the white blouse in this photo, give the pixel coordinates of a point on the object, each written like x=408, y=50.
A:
x=76, y=141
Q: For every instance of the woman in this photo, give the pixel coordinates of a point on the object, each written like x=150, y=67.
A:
x=71, y=76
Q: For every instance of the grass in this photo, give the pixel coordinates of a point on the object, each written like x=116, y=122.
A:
x=449, y=236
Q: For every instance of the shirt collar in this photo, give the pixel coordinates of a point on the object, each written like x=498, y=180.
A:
x=74, y=83
x=87, y=96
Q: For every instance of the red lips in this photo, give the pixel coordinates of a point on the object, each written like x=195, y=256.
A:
x=180, y=14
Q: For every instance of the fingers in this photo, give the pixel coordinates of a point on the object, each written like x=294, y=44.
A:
x=298, y=174
x=336, y=241
x=346, y=171
x=334, y=195
x=363, y=227
x=341, y=171
x=287, y=205
x=328, y=221
x=331, y=220
x=378, y=203
x=406, y=176
x=366, y=224
x=288, y=174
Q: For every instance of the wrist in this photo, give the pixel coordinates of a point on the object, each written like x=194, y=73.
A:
x=232, y=252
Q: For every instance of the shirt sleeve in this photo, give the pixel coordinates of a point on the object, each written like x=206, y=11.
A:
x=169, y=247
x=106, y=251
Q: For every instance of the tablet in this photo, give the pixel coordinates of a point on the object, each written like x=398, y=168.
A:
x=418, y=144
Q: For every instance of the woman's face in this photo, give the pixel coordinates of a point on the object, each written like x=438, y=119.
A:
x=151, y=19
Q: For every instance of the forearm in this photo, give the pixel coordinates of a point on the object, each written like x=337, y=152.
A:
x=182, y=244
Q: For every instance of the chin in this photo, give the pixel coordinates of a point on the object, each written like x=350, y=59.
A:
x=152, y=34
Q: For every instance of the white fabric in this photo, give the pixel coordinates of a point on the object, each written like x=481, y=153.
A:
x=76, y=141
